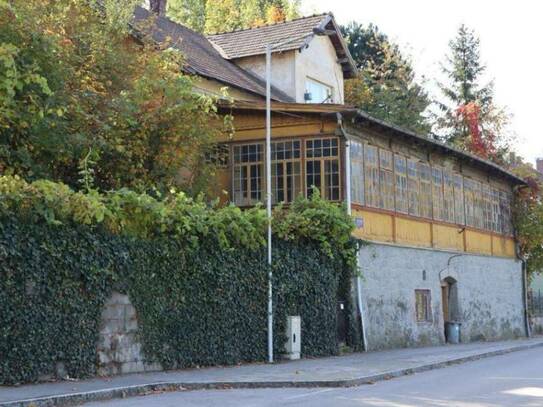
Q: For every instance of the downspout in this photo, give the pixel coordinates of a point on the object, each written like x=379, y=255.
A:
x=524, y=285
x=348, y=202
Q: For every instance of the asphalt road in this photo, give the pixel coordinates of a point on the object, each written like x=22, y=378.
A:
x=515, y=379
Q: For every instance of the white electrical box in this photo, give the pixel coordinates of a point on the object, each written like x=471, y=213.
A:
x=294, y=335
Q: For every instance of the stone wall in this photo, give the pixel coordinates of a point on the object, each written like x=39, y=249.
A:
x=489, y=301
x=119, y=350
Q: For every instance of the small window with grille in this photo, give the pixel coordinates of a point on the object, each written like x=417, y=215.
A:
x=423, y=305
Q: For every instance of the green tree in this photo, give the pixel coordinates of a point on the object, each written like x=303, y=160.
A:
x=227, y=15
x=385, y=86
x=74, y=82
x=468, y=116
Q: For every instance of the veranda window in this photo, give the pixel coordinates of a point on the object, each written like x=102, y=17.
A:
x=448, y=196
x=371, y=179
x=413, y=187
x=286, y=170
x=437, y=192
x=425, y=173
x=386, y=180
x=357, y=172
x=459, y=211
x=400, y=171
x=248, y=171
x=322, y=167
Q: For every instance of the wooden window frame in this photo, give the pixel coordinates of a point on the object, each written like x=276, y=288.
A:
x=249, y=201
x=323, y=162
x=427, y=295
x=284, y=162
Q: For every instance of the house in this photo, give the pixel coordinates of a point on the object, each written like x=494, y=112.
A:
x=438, y=220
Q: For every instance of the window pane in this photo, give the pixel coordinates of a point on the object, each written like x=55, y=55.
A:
x=371, y=176
x=400, y=171
x=426, y=205
x=357, y=172
x=413, y=188
x=437, y=193
x=248, y=171
x=459, y=211
x=386, y=180
x=316, y=92
x=448, y=196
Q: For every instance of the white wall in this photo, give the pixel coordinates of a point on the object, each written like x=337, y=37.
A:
x=319, y=62
x=291, y=68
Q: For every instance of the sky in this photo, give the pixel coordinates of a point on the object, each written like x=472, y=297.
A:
x=511, y=34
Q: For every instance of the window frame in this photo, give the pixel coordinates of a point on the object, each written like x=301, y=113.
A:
x=426, y=294
x=324, y=161
x=284, y=163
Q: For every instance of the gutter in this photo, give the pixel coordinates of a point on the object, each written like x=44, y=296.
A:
x=348, y=202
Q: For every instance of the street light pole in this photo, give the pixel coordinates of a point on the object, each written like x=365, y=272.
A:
x=269, y=48
x=269, y=201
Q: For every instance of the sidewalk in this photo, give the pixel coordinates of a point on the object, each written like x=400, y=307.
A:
x=340, y=371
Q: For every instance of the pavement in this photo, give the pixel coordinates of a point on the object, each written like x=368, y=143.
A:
x=514, y=379
x=341, y=371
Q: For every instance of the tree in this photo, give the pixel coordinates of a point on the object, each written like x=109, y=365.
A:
x=228, y=15
x=385, y=86
x=79, y=98
x=468, y=117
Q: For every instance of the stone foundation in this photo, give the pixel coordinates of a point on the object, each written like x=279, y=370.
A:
x=119, y=350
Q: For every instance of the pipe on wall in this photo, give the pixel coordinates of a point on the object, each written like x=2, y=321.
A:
x=348, y=202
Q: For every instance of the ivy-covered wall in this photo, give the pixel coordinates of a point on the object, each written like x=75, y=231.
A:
x=195, y=308
x=195, y=273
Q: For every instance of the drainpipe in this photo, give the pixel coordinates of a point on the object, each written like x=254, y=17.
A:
x=524, y=280
x=348, y=202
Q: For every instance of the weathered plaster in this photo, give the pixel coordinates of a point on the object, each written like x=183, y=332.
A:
x=489, y=292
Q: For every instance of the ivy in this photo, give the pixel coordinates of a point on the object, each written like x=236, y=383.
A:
x=195, y=272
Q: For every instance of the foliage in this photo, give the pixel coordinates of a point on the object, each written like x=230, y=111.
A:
x=528, y=213
x=196, y=274
x=468, y=116
x=228, y=15
x=73, y=80
x=385, y=86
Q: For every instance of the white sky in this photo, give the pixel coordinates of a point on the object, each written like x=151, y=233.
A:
x=511, y=34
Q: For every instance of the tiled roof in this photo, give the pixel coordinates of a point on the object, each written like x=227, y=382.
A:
x=252, y=41
x=201, y=57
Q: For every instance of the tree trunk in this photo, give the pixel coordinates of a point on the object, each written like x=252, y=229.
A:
x=158, y=6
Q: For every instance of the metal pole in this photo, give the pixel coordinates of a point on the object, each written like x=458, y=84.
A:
x=268, y=201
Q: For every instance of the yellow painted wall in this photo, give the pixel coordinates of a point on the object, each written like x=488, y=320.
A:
x=377, y=226
x=448, y=237
x=412, y=232
x=478, y=242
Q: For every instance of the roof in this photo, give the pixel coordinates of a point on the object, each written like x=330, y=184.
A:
x=253, y=41
x=361, y=117
x=201, y=57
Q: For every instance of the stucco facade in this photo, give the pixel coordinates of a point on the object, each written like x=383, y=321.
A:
x=291, y=69
x=488, y=300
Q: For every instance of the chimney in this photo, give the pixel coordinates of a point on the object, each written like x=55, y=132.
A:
x=539, y=164
x=158, y=6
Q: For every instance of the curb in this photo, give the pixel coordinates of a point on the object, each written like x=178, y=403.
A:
x=146, y=389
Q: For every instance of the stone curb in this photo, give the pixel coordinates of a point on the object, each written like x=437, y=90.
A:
x=146, y=389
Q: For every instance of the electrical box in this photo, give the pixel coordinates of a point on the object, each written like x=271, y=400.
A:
x=294, y=335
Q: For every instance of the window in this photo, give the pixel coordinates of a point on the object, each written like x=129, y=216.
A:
x=459, y=214
x=496, y=212
x=322, y=167
x=478, y=205
x=448, y=196
x=425, y=174
x=437, y=192
x=505, y=208
x=423, y=305
x=357, y=172
x=386, y=180
x=413, y=187
x=371, y=176
x=317, y=92
x=286, y=175
x=487, y=207
x=248, y=172
x=400, y=170
x=218, y=155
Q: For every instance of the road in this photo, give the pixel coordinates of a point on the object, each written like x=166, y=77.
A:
x=515, y=379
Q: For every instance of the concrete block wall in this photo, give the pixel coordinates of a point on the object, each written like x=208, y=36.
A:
x=119, y=350
x=489, y=295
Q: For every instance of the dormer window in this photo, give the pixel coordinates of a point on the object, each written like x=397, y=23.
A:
x=318, y=92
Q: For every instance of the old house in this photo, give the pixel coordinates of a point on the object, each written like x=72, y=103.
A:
x=437, y=220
